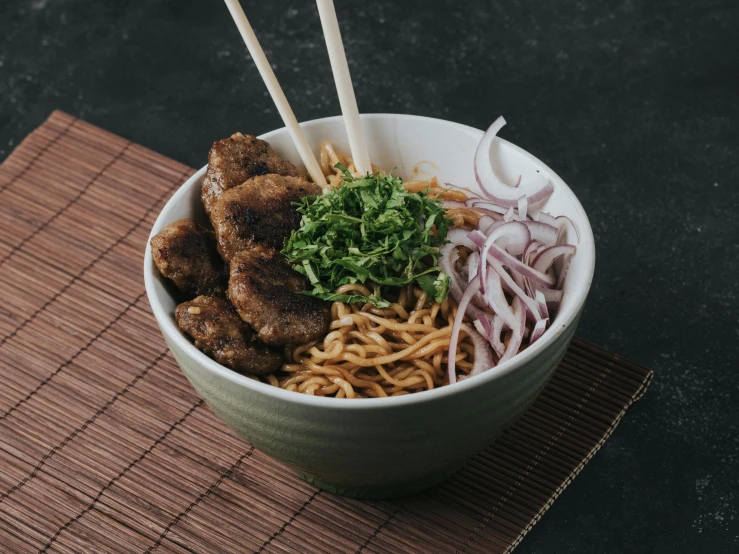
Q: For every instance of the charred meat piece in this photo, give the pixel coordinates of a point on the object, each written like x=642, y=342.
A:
x=264, y=290
x=219, y=332
x=186, y=253
x=233, y=160
x=259, y=211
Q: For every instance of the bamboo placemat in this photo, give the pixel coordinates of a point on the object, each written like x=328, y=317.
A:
x=105, y=447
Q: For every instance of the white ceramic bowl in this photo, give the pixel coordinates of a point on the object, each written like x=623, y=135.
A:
x=384, y=447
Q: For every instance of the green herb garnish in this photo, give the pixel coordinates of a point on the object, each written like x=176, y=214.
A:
x=369, y=230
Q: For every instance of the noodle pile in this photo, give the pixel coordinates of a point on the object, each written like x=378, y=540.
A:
x=373, y=352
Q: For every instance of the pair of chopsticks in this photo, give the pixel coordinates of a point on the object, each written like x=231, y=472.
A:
x=340, y=68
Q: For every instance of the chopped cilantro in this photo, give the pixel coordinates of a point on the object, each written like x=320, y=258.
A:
x=369, y=230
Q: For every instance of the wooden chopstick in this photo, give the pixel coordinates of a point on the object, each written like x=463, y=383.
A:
x=275, y=90
x=340, y=68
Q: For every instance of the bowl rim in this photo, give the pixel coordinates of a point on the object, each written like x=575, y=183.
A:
x=564, y=319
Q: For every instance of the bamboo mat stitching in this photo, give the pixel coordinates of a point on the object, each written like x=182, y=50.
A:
x=120, y=475
x=69, y=204
x=85, y=425
x=289, y=521
x=40, y=153
x=128, y=307
x=197, y=501
x=542, y=452
x=384, y=523
x=640, y=392
x=83, y=280
x=66, y=287
x=68, y=273
x=644, y=384
x=97, y=336
x=71, y=360
x=85, y=269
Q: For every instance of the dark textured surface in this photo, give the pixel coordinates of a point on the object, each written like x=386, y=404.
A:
x=635, y=104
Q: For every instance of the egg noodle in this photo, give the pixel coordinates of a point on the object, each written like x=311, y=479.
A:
x=373, y=352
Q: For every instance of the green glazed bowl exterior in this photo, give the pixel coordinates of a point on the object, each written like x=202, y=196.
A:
x=379, y=448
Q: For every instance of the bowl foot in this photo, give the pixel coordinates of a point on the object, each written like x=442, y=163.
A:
x=381, y=492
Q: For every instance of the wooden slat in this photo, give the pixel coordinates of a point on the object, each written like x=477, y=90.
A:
x=104, y=445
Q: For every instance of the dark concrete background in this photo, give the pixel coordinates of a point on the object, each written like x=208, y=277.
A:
x=634, y=103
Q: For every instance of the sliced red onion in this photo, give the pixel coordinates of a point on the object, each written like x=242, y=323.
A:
x=563, y=267
x=494, y=226
x=514, y=236
x=514, y=343
x=518, y=267
x=528, y=287
x=566, y=228
x=526, y=257
x=459, y=237
x=483, y=203
x=495, y=332
x=482, y=324
x=541, y=299
x=512, y=252
x=519, y=280
x=548, y=219
x=473, y=265
x=483, y=355
x=539, y=329
x=539, y=189
x=457, y=283
x=512, y=241
x=531, y=305
x=464, y=302
x=484, y=173
x=447, y=261
x=495, y=215
x=509, y=215
x=477, y=237
x=496, y=299
x=544, y=259
x=483, y=327
x=543, y=232
x=520, y=311
x=550, y=295
x=523, y=207
x=485, y=223
x=552, y=299
x=492, y=186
